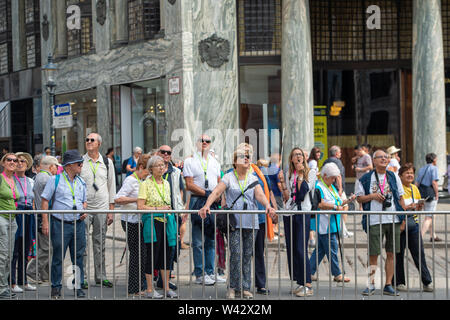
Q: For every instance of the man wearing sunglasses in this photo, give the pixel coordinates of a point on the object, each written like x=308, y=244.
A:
x=98, y=173
x=202, y=174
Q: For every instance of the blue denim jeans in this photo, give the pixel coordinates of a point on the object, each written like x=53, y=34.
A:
x=63, y=237
x=208, y=251
x=325, y=246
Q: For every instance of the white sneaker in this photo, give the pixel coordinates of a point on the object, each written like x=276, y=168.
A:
x=29, y=287
x=207, y=280
x=154, y=295
x=305, y=292
x=402, y=287
x=218, y=278
x=348, y=234
x=312, y=243
x=171, y=294
x=230, y=294
x=17, y=289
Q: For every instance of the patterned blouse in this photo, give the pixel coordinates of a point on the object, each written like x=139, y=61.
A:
x=153, y=198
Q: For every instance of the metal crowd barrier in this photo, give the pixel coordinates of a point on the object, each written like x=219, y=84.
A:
x=278, y=281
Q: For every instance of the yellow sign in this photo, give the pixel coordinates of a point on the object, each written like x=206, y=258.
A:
x=320, y=132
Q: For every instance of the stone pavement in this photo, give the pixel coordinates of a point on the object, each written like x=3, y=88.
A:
x=354, y=251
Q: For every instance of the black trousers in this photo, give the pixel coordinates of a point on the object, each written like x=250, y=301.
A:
x=299, y=262
x=260, y=267
x=414, y=239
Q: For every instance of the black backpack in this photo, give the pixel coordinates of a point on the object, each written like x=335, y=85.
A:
x=124, y=165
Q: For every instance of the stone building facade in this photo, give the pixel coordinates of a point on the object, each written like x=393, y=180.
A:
x=152, y=72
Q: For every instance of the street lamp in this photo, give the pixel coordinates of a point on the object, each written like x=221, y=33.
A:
x=50, y=70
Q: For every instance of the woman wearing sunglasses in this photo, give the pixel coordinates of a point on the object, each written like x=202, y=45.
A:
x=9, y=195
x=240, y=195
x=23, y=245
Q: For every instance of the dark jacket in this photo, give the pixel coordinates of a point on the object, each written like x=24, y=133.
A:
x=365, y=181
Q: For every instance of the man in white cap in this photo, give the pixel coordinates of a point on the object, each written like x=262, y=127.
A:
x=48, y=168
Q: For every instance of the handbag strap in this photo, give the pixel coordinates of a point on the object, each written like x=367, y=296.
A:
x=250, y=186
x=424, y=175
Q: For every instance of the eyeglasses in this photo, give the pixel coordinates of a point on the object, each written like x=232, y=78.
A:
x=381, y=157
x=22, y=161
x=80, y=164
x=162, y=165
x=204, y=141
x=166, y=152
x=241, y=156
x=11, y=160
x=297, y=155
x=92, y=140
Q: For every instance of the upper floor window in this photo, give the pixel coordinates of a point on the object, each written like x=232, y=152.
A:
x=143, y=19
x=259, y=26
x=80, y=41
x=33, y=33
x=5, y=37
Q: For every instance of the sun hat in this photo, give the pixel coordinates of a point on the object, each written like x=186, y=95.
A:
x=71, y=156
x=27, y=157
x=391, y=150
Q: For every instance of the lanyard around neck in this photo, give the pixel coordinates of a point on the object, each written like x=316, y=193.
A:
x=205, y=167
x=242, y=187
x=94, y=171
x=137, y=178
x=333, y=193
x=70, y=186
x=21, y=186
x=12, y=185
x=163, y=194
x=378, y=182
x=42, y=171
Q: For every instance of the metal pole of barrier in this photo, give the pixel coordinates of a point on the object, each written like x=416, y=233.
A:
x=23, y=254
x=394, y=251
x=341, y=247
x=369, y=266
x=203, y=258
x=305, y=250
x=127, y=268
x=381, y=257
x=62, y=256
x=291, y=250
x=37, y=255
x=140, y=257
x=114, y=256
x=152, y=235
x=51, y=253
x=253, y=255
x=432, y=252
x=355, y=259
x=228, y=252
x=189, y=221
x=177, y=251
x=241, y=282
x=329, y=258
x=420, y=254
x=317, y=252
x=74, y=254
x=406, y=256
x=216, y=258
x=446, y=258
x=89, y=219
x=266, y=256
x=163, y=275
x=279, y=259
x=101, y=252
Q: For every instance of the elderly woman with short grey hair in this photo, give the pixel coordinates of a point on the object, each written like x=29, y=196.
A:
x=328, y=226
x=160, y=229
x=132, y=162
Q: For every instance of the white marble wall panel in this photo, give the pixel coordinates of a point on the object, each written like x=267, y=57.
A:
x=429, y=125
x=296, y=78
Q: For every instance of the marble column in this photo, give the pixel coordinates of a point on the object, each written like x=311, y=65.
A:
x=429, y=126
x=61, y=25
x=210, y=94
x=104, y=116
x=121, y=23
x=19, y=38
x=296, y=78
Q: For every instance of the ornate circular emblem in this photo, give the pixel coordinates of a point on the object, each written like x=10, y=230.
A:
x=214, y=51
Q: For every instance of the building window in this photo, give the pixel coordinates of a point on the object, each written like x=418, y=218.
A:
x=445, y=6
x=143, y=19
x=80, y=42
x=259, y=26
x=339, y=31
x=5, y=37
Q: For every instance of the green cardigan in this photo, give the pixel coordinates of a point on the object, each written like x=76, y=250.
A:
x=149, y=227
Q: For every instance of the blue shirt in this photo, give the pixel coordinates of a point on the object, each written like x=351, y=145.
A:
x=132, y=165
x=426, y=176
x=63, y=197
x=273, y=172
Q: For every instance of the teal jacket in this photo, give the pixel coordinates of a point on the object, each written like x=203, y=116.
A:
x=149, y=227
x=335, y=219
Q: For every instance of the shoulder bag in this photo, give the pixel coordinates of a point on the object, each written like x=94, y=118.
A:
x=426, y=191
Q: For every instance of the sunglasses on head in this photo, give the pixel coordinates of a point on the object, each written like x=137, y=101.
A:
x=204, y=141
x=90, y=140
x=165, y=152
x=11, y=160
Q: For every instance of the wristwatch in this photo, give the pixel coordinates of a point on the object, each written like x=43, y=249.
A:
x=335, y=207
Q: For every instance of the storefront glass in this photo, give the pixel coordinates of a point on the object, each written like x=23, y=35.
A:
x=260, y=97
x=84, y=113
